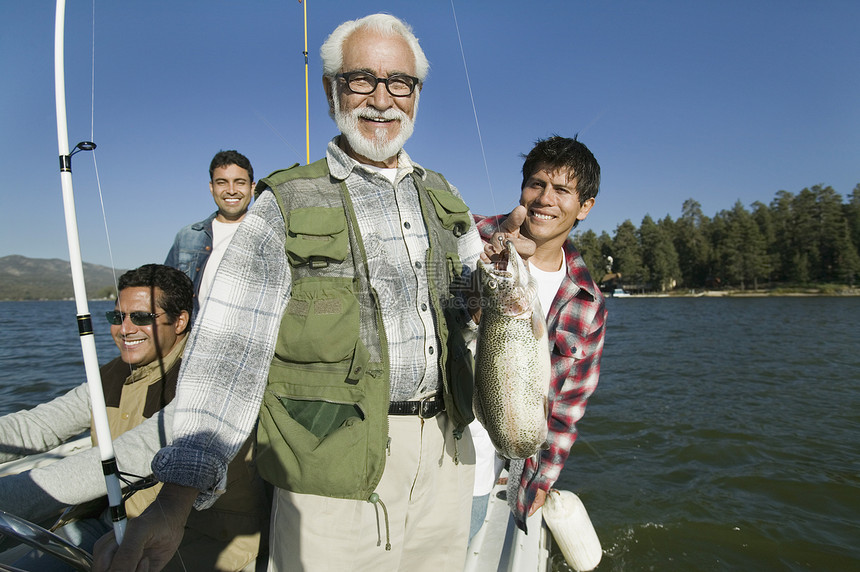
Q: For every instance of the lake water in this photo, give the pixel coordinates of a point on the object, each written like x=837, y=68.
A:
x=723, y=435
x=40, y=350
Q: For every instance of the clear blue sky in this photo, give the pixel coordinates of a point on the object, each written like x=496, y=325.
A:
x=718, y=101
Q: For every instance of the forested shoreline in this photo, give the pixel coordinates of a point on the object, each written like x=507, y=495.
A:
x=805, y=242
x=796, y=241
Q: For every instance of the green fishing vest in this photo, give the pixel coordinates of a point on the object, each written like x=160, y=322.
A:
x=324, y=419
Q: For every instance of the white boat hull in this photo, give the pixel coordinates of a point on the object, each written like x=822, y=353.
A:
x=499, y=546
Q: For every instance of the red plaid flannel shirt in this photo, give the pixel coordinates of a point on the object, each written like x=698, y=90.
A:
x=576, y=325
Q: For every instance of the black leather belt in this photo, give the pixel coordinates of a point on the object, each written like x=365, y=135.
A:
x=426, y=408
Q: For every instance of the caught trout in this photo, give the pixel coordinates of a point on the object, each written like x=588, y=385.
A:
x=512, y=362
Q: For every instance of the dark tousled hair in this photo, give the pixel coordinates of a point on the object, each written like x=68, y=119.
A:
x=177, y=290
x=565, y=153
x=231, y=157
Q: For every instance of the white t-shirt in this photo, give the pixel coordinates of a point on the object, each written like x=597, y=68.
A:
x=222, y=234
x=548, y=285
x=388, y=173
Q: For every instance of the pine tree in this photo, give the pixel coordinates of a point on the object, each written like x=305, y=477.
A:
x=658, y=255
x=589, y=248
x=692, y=245
x=628, y=255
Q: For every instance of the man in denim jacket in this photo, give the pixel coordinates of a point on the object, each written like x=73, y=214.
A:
x=231, y=182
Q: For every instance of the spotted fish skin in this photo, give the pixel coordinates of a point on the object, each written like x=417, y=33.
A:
x=512, y=361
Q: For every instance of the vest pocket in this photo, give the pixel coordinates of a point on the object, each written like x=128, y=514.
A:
x=451, y=210
x=311, y=444
x=322, y=418
x=316, y=236
x=320, y=323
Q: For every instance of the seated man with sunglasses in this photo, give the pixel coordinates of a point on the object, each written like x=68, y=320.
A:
x=149, y=326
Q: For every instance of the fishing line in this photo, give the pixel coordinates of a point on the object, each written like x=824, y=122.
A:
x=107, y=231
x=95, y=162
x=587, y=444
x=474, y=111
x=121, y=475
x=276, y=132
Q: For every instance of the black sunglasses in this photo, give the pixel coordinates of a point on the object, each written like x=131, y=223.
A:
x=116, y=318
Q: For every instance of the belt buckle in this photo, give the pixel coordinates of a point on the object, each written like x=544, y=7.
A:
x=425, y=406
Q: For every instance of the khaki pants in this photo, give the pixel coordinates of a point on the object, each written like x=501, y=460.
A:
x=427, y=495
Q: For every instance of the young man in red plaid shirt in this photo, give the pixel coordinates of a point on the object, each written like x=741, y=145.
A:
x=560, y=182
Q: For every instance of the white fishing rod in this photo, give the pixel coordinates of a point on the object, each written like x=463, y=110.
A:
x=85, y=323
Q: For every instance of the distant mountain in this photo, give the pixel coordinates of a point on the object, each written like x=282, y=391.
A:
x=23, y=278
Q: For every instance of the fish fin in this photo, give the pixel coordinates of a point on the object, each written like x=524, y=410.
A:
x=544, y=446
x=477, y=409
x=538, y=325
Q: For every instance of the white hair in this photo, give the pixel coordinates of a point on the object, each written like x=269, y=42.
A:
x=331, y=51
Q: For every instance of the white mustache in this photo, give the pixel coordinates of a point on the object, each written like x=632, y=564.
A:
x=388, y=114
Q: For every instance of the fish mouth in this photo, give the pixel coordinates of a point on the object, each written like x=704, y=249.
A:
x=504, y=259
x=503, y=268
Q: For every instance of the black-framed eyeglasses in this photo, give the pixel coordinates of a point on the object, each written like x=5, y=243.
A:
x=116, y=318
x=364, y=83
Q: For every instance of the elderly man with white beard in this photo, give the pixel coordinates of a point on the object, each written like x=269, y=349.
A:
x=337, y=318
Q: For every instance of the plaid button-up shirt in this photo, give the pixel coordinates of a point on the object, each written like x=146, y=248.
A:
x=231, y=346
x=576, y=324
